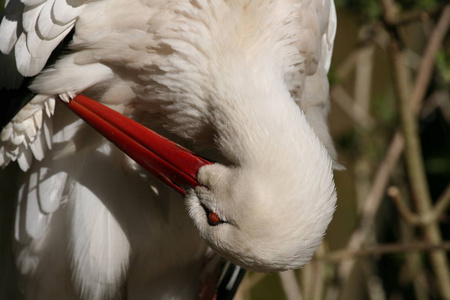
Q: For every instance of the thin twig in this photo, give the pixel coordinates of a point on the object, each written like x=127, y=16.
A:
x=411, y=218
x=390, y=13
x=312, y=277
x=427, y=64
x=440, y=207
x=319, y=278
x=290, y=286
x=345, y=68
x=363, y=79
x=413, y=269
x=373, y=201
x=437, y=100
x=416, y=168
x=407, y=18
x=383, y=249
x=373, y=281
x=351, y=108
x=362, y=90
x=251, y=281
x=404, y=210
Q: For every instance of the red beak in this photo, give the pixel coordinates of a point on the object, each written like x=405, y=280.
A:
x=169, y=162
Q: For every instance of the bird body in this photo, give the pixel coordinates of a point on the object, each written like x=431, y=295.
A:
x=245, y=78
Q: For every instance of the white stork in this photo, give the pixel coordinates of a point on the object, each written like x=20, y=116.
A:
x=243, y=82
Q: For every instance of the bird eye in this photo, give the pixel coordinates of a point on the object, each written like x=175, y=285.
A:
x=213, y=218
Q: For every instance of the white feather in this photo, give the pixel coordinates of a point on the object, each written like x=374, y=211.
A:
x=27, y=65
x=24, y=159
x=38, y=147
x=7, y=132
x=101, y=248
x=30, y=16
x=37, y=116
x=46, y=32
x=48, y=132
x=23, y=137
x=50, y=189
x=64, y=12
x=329, y=37
x=19, y=222
x=36, y=220
x=93, y=74
x=39, y=50
x=18, y=139
x=9, y=30
x=31, y=129
x=44, y=24
x=3, y=159
x=49, y=106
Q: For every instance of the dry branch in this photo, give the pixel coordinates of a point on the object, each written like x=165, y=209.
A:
x=428, y=218
x=416, y=168
x=397, y=144
x=290, y=286
x=403, y=208
x=383, y=249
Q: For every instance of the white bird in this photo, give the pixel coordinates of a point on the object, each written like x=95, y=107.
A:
x=247, y=79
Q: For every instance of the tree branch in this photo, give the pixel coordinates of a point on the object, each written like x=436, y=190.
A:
x=414, y=161
x=290, y=286
x=396, y=147
x=383, y=249
x=410, y=217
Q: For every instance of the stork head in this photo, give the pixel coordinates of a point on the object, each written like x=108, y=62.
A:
x=269, y=212
x=257, y=221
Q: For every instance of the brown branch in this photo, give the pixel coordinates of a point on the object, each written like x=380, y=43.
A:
x=404, y=210
x=390, y=11
x=428, y=218
x=373, y=200
x=437, y=100
x=313, y=277
x=440, y=207
x=290, y=286
x=427, y=64
x=351, y=108
x=406, y=18
x=414, y=160
x=396, y=146
x=383, y=249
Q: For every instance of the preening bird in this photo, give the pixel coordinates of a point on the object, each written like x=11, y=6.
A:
x=243, y=83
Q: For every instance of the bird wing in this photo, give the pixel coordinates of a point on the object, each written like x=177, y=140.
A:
x=30, y=30
x=316, y=44
x=66, y=230
x=63, y=229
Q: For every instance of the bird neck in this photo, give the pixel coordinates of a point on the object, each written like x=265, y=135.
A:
x=255, y=118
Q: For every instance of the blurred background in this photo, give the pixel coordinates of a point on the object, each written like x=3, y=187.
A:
x=390, y=119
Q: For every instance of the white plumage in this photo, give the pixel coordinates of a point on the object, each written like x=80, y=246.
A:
x=246, y=78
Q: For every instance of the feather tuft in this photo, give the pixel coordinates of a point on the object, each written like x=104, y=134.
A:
x=22, y=137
